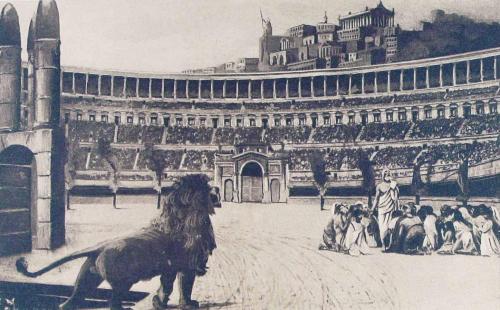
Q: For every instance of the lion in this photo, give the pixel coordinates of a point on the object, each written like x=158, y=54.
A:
x=179, y=241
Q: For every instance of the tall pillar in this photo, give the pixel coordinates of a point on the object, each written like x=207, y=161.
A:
x=454, y=73
x=427, y=84
x=389, y=81
x=287, y=90
x=224, y=89
x=324, y=86
x=300, y=87
x=30, y=98
x=401, y=79
x=162, y=87
x=495, y=67
x=187, y=89
x=338, y=84
x=262, y=89
x=481, y=70
x=414, y=78
x=10, y=70
x=73, y=87
x=99, y=86
x=312, y=87
x=467, y=74
x=362, y=83
x=274, y=89
x=249, y=89
x=150, y=93
x=86, y=84
x=350, y=84
x=237, y=89
x=440, y=75
x=199, y=89
x=124, y=92
x=375, y=86
x=175, y=88
x=211, y=89
x=136, y=86
x=47, y=66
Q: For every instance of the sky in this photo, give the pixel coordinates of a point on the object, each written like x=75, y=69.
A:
x=165, y=36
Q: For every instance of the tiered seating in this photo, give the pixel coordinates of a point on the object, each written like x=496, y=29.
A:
x=336, y=133
x=188, y=135
x=334, y=159
x=125, y=157
x=461, y=93
x=299, y=160
x=481, y=124
x=129, y=134
x=485, y=151
x=384, y=131
x=436, y=128
x=194, y=160
x=83, y=131
x=173, y=159
x=358, y=101
x=152, y=134
x=96, y=162
x=290, y=134
x=420, y=97
x=400, y=157
x=240, y=135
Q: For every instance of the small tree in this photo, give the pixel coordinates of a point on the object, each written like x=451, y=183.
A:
x=104, y=150
x=318, y=167
x=365, y=165
x=463, y=172
x=156, y=163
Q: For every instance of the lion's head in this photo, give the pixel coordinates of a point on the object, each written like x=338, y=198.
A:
x=186, y=216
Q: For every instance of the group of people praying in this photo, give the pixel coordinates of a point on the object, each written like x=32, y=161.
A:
x=409, y=228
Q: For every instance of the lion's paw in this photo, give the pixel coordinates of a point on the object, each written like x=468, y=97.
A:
x=158, y=304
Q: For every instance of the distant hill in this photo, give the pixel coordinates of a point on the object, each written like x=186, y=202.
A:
x=447, y=34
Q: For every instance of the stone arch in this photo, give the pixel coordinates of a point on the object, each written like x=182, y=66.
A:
x=252, y=181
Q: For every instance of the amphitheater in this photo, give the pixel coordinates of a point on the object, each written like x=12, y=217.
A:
x=252, y=132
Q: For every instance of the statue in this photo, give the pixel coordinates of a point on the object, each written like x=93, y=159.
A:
x=266, y=26
x=386, y=202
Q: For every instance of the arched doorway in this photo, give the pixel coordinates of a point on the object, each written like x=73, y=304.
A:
x=251, y=183
x=275, y=190
x=17, y=219
x=228, y=190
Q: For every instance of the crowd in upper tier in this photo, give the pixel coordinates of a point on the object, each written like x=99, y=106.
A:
x=85, y=131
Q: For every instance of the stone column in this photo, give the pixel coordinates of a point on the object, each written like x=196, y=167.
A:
x=136, y=87
x=262, y=89
x=287, y=91
x=187, y=89
x=211, y=89
x=338, y=84
x=224, y=89
x=237, y=89
x=468, y=72
x=350, y=84
x=495, y=67
x=401, y=79
x=249, y=89
x=414, y=78
x=86, y=84
x=274, y=89
x=312, y=87
x=162, y=88
x=481, y=73
x=149, y=88
x=363, y=83
x=324, y=86
x=300, y=87
x=454, y=74
x=427, y=84
x=440, y=75
x=199, y=89
x=375, y=86
x=175, y=89
x=389, y=81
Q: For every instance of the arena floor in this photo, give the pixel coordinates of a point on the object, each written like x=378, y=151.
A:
x=267, y=258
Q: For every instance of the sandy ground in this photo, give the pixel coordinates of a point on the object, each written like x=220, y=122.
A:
x=267, y=258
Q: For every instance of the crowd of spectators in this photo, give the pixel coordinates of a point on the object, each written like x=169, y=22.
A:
x=172, y=158
x=436, y=128
x=397, y=157
x=337, y=133
x=84, y=131
x=420, y=97
x=152, y=134
x=188, y=135
x=384, y=131
x=239, y=135
x=125, y=157
x=471, y=92
x=481, y=124
x=198, y=160
x=129, y=134
x=288, y=134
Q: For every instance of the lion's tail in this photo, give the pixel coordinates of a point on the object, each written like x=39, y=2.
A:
x=22, y=263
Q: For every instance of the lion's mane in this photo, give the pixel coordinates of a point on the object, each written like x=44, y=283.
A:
x=185, y=218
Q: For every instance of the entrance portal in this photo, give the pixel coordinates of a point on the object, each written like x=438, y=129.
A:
x=17, y=166
x=251, y=183
x=228, y=190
